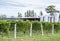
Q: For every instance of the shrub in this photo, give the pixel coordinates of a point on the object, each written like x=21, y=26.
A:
x=36, y=25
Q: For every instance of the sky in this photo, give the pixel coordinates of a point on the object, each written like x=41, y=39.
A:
x=12, y=7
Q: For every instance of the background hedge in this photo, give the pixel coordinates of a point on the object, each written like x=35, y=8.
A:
x=24, y=26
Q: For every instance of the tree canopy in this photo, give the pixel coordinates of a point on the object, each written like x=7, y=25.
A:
x=51, y=9
x=30, y=13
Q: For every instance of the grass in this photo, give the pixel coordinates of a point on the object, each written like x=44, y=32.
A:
x=35, y=37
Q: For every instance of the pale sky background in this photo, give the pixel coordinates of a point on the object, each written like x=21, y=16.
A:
x=12, y=7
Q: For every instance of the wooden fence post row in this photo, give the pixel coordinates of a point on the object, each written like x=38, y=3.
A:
x=42, y=31
x=31, y=30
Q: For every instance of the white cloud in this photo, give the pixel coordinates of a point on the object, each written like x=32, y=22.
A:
x=11, y=7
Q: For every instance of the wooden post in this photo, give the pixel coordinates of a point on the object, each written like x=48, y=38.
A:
x=15, y=32
x=42, y=30
x=31, y=30
x=52, y=28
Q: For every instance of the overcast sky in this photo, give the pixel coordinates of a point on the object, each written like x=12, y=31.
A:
x=12, y=7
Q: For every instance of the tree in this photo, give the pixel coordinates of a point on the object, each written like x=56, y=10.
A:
x=41, y=13
x=30, y=13
x=19, y=14
x=51, y=9
x=3, y=16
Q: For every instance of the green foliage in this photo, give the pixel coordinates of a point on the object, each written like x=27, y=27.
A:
x=12, y=24
x=4, y=26
x=35, y=37
x=57, y=26
x=24, y=26
x=27, y=25
x=36, y=25
x=20, y=25
x=47, y=26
